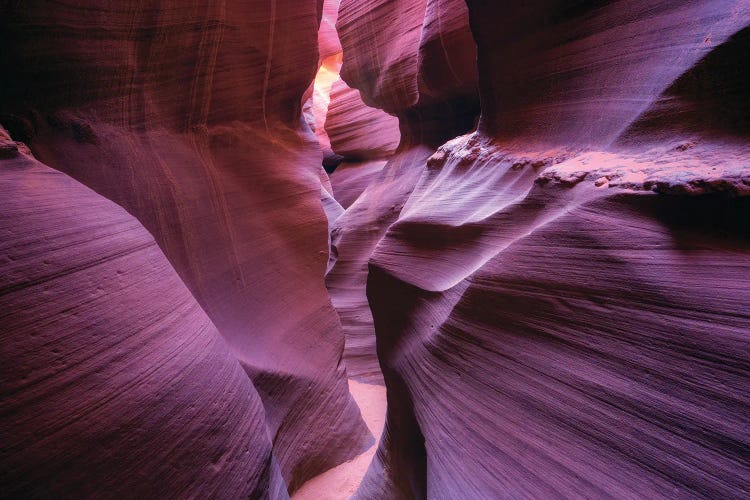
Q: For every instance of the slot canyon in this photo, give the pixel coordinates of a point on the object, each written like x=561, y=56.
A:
x=375, y=249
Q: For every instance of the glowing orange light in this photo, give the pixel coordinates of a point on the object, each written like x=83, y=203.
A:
x=324, y=80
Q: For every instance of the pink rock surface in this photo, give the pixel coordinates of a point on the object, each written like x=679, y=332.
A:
x=560, y=339
x=353, y=238
x=188, y=116
x=581, y=73
x=412, y=59
x=555, y=295
x=709, y=100
x=415, y=59
x=350, y=180
x=381, y=41
x=560, y=301
x=115, y=383
x=357, y=131
x=447, y=54
x=328, y=39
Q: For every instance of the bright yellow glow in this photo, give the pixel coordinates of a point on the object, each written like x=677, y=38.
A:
x=324, y=80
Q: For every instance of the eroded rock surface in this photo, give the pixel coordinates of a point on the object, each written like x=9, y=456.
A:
x=188, y=116
x=364, y=138
x=384, y=43
x=357, y=131
x=571, y=325
x=115, y=383
x=555, y=294
x=544, y=323
x=415, y=59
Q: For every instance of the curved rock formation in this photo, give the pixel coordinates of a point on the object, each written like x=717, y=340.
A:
x=349, y=180
x=357, y=131
x=544, y=320
x=328, y=39
x=383, y=43
x=114, y=381
x=553, y=334
x=709, y=100
x=554, y=293
x=353, y=238
x=415, y=59
x=589, y=68
x=363, y=137
x=188, y=116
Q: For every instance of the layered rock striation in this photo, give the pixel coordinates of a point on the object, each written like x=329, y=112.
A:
x=393, y=52
x=553, y=290
x=539, y=287
x=115, y=383
x=188, y=116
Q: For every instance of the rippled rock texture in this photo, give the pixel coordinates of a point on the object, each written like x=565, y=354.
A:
x=554, y=289
x=560, y=298
x=554, y=338
x=115, y=383
x=364, y=138
x=396, y=53
x=414, y=59
x=187, y=114
x=357, y=131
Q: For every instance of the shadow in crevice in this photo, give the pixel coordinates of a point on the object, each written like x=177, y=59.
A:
x=712, y=98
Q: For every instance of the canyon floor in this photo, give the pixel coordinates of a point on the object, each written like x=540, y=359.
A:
x=342, y=481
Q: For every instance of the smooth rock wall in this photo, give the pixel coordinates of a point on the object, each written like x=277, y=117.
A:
x=415, y=60
x=579, y=73
x=549, y=334
x=558, y=297
x=188, y=116
x=115, y=383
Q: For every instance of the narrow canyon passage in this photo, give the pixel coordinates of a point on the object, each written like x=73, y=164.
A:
x=375, y=249
x=356, y=141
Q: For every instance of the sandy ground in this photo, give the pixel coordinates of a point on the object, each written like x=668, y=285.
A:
x=342, y=481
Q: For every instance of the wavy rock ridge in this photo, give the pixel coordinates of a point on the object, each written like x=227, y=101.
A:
x=559, y=296
x=188, y=116
x=116, y=370
x=536, y=237
x=387, y=46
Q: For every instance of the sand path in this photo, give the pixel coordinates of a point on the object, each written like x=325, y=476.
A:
x=342, y=481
